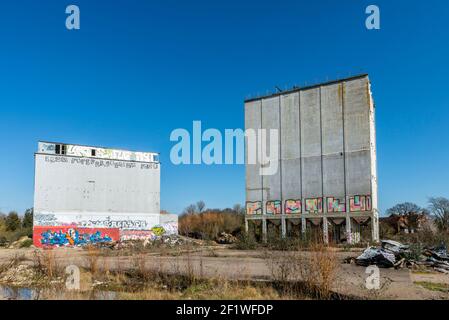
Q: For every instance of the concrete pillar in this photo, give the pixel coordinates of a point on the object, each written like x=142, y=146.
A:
x=283, y=227
x=264, y=230
x=246, y=225
x=303, y=226
x=375, y=227
x=348, y=230
x=325, y=231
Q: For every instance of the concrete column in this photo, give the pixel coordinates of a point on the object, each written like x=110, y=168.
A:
x=264, y=230
x=246, y=225
x=325, y=230
x=303, y=226
x=375, y=227
x=348, y=229
x=283, y=227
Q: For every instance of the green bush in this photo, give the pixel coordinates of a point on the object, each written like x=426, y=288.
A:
x=27, y=243
x=246, y=241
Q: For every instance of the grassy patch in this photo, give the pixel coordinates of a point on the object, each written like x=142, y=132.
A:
x=433, y=286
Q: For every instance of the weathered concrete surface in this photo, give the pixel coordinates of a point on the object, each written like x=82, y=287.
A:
x=327, y=152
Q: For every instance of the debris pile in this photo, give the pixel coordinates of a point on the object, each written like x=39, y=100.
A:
x=165, y=240
x=393, y=254
x=226, y=238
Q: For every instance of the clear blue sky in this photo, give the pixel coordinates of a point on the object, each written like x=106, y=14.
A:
x=139, y=69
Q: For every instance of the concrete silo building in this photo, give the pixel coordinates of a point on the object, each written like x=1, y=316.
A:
x=326, y=182
x=86, y=194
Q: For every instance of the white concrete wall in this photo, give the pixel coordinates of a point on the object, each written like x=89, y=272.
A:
x=75, y=190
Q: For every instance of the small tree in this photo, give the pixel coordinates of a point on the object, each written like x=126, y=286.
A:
x=238, y=209
x=12, y=221
x=410, y=211
x=191, y=209
x=200, y=205
x=439, y=207
x=28, y=219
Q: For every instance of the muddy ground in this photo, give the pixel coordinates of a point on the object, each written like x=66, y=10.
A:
x=226, y=263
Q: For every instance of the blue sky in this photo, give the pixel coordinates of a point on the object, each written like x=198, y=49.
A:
x=139, y=69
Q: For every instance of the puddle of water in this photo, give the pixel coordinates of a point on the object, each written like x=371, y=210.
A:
x=18, y=293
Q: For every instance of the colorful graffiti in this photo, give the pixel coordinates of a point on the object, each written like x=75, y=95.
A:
x=253, y=207
x=360, y=203
x=153, y=234
x=292, y=206
x=314, y=205
x=273, y=207
x=335, y=205
x=137, y=235
x=72, y=236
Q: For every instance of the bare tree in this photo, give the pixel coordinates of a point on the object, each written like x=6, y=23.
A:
x=191, y=209
x=238, y=209
x=439, y=207
x=404, y=209
x=200, y=205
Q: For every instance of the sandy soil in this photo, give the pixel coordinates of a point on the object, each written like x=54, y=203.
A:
x=223, y=262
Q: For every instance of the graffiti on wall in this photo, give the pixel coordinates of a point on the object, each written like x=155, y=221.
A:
x=47, y=219
x=101, y=163
x=336, y=205
x=274, y=207
x=72, y=236
x=134, y=235
x=314, y=205
x=254, y=207
x=155, y=233
x=360, y=203
x=109, y=223
x=292, y=206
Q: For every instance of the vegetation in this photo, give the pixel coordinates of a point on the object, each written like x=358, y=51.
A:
x=439, y=208
x=420, y=227
x=13, y=227
x=207, y=224
x=433, y=286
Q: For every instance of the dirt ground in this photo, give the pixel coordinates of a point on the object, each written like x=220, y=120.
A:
x=225, y=263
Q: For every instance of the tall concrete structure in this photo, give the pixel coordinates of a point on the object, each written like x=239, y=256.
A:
x=326, y=182
x=86, y=194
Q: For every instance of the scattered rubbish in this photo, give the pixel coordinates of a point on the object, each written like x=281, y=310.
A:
x=393, y=254
x=376, y=256
x=394, y=246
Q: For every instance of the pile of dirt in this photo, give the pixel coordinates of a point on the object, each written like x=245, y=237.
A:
x=22, y=242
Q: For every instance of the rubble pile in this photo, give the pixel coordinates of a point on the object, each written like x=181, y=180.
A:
x=393, y=254
x=166, y=240
x=226, y=238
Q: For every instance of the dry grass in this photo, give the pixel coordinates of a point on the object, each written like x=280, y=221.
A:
x=92, y=259
x=215, y=289
x=313, y=274
x=45, y=262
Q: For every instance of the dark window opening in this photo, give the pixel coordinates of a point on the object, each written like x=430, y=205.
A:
x=60, y=149
x=93, y=152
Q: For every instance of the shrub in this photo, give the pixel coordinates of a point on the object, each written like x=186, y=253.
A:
x=27, y=243
x=246, y=241
x=12, y=221
x=208, y=225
